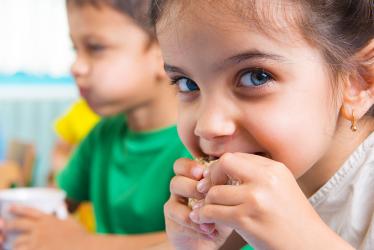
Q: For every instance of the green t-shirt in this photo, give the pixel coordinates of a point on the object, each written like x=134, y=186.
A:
x=125, y=174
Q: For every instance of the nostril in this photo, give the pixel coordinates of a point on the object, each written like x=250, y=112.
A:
x=263, y=154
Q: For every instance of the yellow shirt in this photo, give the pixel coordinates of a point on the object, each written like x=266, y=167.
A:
x=75, y=124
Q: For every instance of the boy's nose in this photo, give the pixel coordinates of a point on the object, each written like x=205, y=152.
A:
x=79, y=68
x=214, y=121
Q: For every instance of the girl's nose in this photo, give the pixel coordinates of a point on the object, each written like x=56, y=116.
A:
x=79, y=68
x=214, y=121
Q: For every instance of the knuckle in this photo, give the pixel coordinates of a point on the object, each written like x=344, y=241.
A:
x=225, y=159
x=272, y=179
x=205, y=212
x=257, y=204
x=173, y=184
x=176, y=165
x=212, y=194
x=166, y=207
x=185, y=220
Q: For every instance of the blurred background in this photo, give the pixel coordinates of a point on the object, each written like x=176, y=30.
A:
x=35, y=84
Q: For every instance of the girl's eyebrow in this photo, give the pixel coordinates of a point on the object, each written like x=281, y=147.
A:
x=174, y=69
x=235, y=59
x=248, y=55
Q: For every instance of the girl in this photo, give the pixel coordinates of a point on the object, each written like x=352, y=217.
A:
x=124, y=165
x=281, y=93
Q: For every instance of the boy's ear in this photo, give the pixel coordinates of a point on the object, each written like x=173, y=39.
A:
x=358, y=92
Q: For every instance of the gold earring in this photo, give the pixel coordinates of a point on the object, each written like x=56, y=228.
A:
x=354, y=122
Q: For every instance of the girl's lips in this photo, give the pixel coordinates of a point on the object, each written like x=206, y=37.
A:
x=212, y=157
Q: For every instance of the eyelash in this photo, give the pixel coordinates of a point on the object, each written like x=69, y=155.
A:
x=254, y=70
x=95, y=48
x=174, y=80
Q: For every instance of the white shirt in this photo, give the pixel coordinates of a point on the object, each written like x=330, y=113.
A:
x=346, y=201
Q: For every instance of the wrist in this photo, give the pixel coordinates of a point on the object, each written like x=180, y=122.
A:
x=326, y=239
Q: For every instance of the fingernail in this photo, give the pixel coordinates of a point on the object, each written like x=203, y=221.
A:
x=194, y=216
x=202, y=186
x=197, y=172
x=207, y=228
x=206, y=172
x=213, y=235
x=198, y=204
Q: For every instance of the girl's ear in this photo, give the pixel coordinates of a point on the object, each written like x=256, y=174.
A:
x=358, y=93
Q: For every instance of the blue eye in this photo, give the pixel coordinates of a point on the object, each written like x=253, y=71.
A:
x=254, y=78
x=186, y=85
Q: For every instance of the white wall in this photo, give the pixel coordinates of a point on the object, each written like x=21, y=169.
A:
x=34, y=37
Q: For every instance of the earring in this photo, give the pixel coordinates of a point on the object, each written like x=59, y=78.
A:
x=354, y=122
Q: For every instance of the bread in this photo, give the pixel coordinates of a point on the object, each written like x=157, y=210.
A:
x=206, y=162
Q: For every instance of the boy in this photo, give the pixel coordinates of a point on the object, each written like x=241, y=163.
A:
x=125, y=164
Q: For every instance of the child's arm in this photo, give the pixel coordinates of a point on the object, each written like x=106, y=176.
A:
x=45, y=232
x=149, y=241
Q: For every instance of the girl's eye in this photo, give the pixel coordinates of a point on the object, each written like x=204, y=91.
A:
x=186, y=85
x=254, y=78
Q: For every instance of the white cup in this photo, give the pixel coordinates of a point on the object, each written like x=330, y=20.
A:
x=47, y=200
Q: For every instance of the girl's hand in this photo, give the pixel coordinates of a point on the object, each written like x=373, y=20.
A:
x=268, y=209
x=182, y=232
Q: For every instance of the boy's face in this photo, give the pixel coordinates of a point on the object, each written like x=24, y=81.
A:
x=113, y=69
x=242, y=91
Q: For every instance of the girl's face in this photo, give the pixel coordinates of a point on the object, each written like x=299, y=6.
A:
x=111, y=59
x=243, y=91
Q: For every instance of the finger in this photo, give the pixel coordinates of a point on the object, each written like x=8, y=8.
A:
x=237, y=166
x=179, y=214
x=215, y=175
x=185, y=187
x=204, y=185
x=19, y=225
x=23, y=247
x=27, y=212
x=188, y=168
x=226, y=195
x=208, y=228
x=21, y=242
x=222, y=215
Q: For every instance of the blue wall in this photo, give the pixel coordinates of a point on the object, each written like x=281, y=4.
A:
x=28, y=107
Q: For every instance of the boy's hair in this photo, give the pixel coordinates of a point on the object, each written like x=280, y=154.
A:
x=137, y=10
x=339, y=28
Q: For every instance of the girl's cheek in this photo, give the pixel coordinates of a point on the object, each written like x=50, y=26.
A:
x=186, y=127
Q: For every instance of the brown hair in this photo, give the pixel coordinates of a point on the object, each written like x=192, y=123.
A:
x=138, y=10
x=339, y=28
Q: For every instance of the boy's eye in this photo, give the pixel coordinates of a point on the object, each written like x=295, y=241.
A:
x=186, y=85
x=254, y=78
x=95, y=47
